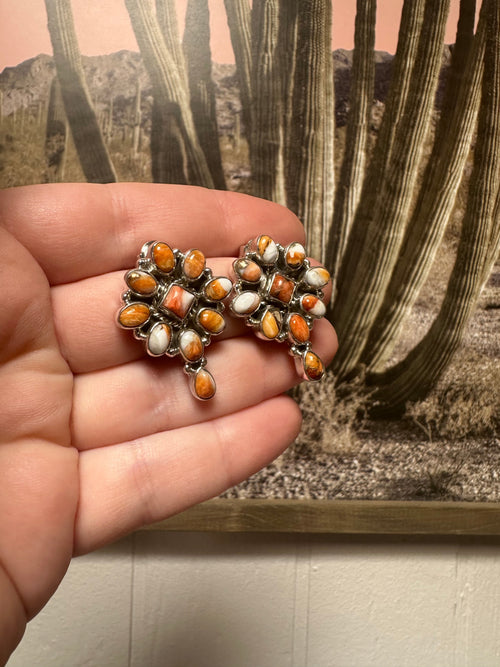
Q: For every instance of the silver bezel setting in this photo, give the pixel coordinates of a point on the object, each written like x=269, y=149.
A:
x=161, y=315
x=262, y=288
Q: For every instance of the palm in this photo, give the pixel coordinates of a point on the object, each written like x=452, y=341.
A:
x=96, y=439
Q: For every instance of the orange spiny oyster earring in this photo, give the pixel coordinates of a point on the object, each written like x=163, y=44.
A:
x=174, y=304
x=279, y=294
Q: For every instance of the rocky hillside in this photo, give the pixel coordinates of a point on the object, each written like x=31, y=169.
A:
x=114, y=77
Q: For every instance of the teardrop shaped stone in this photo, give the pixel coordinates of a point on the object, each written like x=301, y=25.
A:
x=313, y=366
x=190, y=345
x=203, y=385
x=312, y=305
x=218, y=288
x=194, y=263
x=317, y=277
x=163, y=257
x=267, y=249
x=298, y=328
x=245, y=303
x=271, y=324
x=295, y=255
x=211, y=321
x=134, y=315
x=159, y=339
x=141, y=282
x=247, y=270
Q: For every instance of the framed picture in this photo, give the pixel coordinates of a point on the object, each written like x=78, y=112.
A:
x=380, y=129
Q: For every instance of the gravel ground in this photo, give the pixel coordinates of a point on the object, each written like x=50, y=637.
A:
x=396, y=460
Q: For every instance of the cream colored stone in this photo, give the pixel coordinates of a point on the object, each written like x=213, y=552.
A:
x=317, y=277
x=159, y=339
x=245, y=303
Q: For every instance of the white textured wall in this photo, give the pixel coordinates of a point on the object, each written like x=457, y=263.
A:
x=226, y=600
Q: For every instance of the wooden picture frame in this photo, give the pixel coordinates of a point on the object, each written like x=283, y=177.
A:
x=339, y=517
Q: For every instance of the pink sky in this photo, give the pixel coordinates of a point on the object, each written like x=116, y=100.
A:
x=103, y=26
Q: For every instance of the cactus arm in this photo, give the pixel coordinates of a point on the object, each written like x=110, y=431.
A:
x=182, y=151
x=420, y=370
x=433, y=208
x=352, y=171
x=310, y=159
x=92, y=152
x=367, y=275
x=239, y=22
x=196, y=44
x=267, y=124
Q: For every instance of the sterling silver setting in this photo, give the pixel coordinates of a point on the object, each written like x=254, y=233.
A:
x=174, y=305
x=279, y=294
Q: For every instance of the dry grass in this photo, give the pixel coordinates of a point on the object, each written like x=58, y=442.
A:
x=466, y=405
x=332, y=421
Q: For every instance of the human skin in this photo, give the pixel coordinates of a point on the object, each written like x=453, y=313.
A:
x=96, y=439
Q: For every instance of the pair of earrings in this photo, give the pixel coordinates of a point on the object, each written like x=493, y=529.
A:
x=175, y=305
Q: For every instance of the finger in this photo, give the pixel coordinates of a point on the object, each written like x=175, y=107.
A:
x=85, y=319
x=141, y=398
x=134, y=483
x=77, y=230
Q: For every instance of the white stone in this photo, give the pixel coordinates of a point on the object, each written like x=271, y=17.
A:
x=270, y=254
x=190, y=345
x=159, y=339
x=317, y=277
x=245, y=303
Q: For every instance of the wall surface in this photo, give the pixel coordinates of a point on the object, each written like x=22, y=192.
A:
x=225, y=600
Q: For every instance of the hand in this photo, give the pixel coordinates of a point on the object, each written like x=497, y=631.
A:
x=96, y=438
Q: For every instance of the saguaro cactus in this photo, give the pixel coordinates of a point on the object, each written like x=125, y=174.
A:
x=267, y=131
x=182, y=156
x=239, y=21
x=92, y=152
x=435, y=202
x=310, y=164
x=198, y=59
x=56, y=135
x=477, y=249
x=352, y=173
x=381, y=229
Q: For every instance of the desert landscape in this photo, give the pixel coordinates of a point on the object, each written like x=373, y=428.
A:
x=445, y=447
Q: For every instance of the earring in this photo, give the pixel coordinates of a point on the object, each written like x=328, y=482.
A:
x=279, y=294
x=174, y=304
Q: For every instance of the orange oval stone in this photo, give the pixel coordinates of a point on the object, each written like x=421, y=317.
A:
x=295, y=254
x=141, y=282
x=211, y=320
x=194, y=263
x=218, y=288
x=163, y=257
x=134, y=315
x=312, y=305
x=190, y=345
x=299, y=328
x=203, y=385
x=313, y=366
x=271, y=324
x=248, y=270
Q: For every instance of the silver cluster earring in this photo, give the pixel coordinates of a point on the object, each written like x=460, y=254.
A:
x=279, y=294
x=174, y=304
